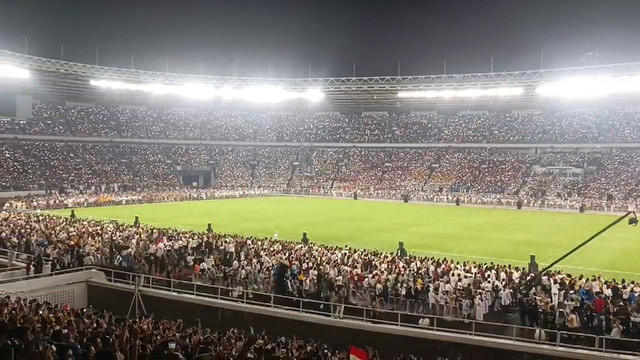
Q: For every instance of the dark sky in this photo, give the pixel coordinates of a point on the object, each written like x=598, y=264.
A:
x=330, y=35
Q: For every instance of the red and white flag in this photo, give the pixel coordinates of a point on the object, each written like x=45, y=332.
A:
x=357, y=354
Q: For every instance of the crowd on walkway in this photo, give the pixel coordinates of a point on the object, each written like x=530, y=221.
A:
x=337, y=275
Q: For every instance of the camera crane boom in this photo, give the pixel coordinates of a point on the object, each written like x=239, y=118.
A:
x=532, y=281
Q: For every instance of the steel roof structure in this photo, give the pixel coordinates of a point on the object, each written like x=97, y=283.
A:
x=69, y=81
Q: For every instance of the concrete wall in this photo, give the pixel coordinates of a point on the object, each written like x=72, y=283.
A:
x=61, y=289
x=24, y=106
x=387, y=339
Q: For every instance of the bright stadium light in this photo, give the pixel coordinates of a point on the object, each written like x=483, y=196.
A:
x=13, y=72
x=313, y=95
x=259, y=94
x=461, y=93
x=590, y=87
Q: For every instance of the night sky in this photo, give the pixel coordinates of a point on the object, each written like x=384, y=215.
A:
x=288, y=35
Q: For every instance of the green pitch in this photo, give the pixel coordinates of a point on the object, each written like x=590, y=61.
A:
x=481, y=234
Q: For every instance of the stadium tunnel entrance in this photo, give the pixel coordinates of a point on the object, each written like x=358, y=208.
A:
x=196, y=176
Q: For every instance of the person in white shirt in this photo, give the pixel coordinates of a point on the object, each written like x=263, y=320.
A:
x=617, y=328
x=442, y=301
x=466, y=308
x=505, y=298
x=433, y=300
x=554, y=292
x=479, y=308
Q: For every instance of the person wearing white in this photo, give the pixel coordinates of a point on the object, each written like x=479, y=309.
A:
x=540, y=335
x=616, y=331
x=486, y=298
x=479, y=308
x=433, y=300
x=466, y=308
x=505, y=297
x=554, y=292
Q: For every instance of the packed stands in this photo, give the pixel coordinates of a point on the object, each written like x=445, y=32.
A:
x=99, y=173
x=587, y=126
x=602, y=180
x=39, y=330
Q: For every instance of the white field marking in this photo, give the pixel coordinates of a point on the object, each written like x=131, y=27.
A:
x=522, y=262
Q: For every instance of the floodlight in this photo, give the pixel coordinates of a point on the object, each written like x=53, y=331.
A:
x=198, y=91
x=13, y=72
x=590, y=87
x=462, y=93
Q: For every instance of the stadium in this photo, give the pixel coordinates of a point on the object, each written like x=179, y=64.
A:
x=454, y=216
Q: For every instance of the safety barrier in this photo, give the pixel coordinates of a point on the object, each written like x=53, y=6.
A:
x=474, y=328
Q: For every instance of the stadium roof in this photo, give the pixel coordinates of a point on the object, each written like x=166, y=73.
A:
x=68, y=81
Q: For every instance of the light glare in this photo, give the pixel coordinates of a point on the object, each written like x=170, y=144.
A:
x=462, y=93
x=13, y=72
x=259, y=94
x=590, y=87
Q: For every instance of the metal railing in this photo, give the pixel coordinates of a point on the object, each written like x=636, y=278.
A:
x=15, y=256
x=560, y=339
x=474, y=328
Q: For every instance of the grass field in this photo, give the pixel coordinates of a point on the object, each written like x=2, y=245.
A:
x=482, y=234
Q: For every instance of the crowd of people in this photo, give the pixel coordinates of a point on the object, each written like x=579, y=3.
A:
x=589, y=126
x=603, y=180
x=99, y=174
x=336, y=275
x=33, y=330
x=75, y=200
